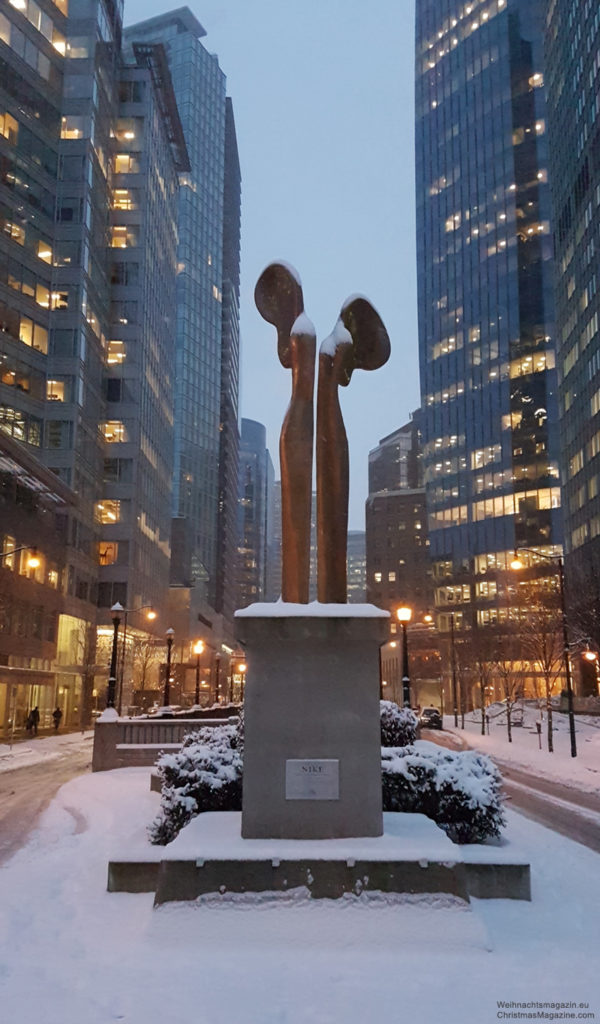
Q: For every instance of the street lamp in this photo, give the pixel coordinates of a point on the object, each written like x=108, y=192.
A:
x=112, y=677
x=150, y=614
x=242, y=670
x=404, y=615
x=167, y=694
x=33, y=562
x=517, y=564
x=453, y=661
x=198, y=650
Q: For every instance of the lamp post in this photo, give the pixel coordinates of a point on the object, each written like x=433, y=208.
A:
x=198, y=650
x=33, y=562
x=112, y=677
x=167, y=693
x=404, y=615
x=151, y=614
x=242, y=671
x=558, y=562
x=453, y=661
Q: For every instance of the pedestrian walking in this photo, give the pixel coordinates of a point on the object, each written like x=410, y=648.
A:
x=35, y=719
x=56, y=715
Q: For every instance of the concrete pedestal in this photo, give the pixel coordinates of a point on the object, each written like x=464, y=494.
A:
x=312, y=745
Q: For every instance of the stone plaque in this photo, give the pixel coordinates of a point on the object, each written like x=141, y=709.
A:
x=312, y=779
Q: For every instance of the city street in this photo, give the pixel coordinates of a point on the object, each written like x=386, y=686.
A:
x=26, y=791
x=571, y=812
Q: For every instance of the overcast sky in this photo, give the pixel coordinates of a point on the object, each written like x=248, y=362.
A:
x=323, y=100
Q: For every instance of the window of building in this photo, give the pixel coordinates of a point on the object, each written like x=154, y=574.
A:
x=8, y=546
x=114, y=431
x=9, y=128
x=108, y=552
x=123, y=236
x=108, y=511
x=74, y=126
x=125, y=199
x=115, y=353
x=55, y=390
x=127, y=163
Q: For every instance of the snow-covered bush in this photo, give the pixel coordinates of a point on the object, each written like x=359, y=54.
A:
x=460, y=791
x=398, y=725
x=205, y=775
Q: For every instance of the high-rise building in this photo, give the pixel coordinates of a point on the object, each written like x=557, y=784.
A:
x=58, y=96
x=572, y=79
x=397, y=563
x=206, y=357
x=356, y=563
x=255, y=517
x=135, y=509
x=230, y=358
x=486, y=318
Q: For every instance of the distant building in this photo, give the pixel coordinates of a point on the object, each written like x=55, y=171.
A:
x=357, y=567
x=255, y=517
x=207, y=339
x=397, y=564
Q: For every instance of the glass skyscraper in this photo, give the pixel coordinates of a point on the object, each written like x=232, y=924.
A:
x=573, y=91
x=199, y=86
x=486, y=320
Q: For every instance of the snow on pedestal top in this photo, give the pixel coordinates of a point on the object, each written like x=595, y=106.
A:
x=285, y=609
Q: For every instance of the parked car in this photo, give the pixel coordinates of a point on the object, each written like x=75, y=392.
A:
x=430, y=718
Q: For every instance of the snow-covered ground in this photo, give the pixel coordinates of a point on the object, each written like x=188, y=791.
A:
x=581, y=772
x=71, y=953
x=42, y=748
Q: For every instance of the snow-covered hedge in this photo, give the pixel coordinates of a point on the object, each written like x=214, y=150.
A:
x=460, y=791
x=398, y=725
x=205, y=775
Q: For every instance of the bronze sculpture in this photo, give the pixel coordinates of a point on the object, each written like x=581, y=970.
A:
x=359, y=341
x=278, y=297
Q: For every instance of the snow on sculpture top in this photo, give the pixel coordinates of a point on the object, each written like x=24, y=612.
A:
x=359, y=340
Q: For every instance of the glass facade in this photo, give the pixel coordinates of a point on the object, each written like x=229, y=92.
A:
x=225, y=593
x=134, y=513
x=573, y=90
x=199, y=86
x=486, y=330
x=256, y=506
x=80, y=295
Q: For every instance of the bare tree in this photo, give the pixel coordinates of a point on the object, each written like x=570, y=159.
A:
x=86, y=660
x=507, y=670
x=484, y=644
x=146, y=654
x=540, y=627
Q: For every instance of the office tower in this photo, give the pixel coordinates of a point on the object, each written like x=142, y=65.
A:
x=397, y=564
x=58, y=95
x=80, y=294
x=572, y=79
x=486, y=330
x=199, y=86
x=255, y=522
x=135, y=509
x=230, y=357
x=356, y=561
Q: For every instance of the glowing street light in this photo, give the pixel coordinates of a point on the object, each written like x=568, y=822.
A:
x=198, y=650
x=242, y=670
x=404, y=615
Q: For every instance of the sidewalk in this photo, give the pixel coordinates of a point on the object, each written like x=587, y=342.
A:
x=48, y=746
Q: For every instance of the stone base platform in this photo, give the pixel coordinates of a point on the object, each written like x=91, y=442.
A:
x=412, y=856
